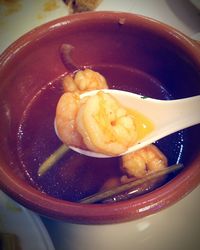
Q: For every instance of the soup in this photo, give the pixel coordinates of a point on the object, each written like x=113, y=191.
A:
x=75, y=176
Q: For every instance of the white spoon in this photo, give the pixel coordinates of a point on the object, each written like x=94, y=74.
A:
x=168, y=116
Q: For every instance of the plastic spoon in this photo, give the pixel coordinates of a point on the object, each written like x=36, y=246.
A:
x=168, y=116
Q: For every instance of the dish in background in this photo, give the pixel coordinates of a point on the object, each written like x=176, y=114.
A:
x=26, y=225
x=196, y=37
x=196, y=3
x=174, y=228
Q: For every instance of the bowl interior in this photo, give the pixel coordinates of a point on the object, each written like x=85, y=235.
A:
x=133, y=53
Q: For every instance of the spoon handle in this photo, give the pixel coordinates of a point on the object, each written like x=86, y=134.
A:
x=182, y=113
x=172, y=115
x=169, y=116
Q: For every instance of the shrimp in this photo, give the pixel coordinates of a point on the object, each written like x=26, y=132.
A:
x=66, y=112
x=144, y=161
x=84, y=80
x=105, y=125
x=69, y=104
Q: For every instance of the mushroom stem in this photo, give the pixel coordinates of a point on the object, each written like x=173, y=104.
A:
x=65, y=54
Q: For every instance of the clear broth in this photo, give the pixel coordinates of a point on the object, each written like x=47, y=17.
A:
x=76, y=176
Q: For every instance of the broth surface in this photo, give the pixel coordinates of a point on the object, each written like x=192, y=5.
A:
x=76, y=176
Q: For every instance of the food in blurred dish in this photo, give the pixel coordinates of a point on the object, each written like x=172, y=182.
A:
x=9, y=241
x=82, y=5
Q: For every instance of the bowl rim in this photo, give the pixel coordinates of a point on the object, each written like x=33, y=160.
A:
x=132, y=209
x=166, y=30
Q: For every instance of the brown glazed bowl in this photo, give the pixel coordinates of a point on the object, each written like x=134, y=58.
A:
x=120, y=42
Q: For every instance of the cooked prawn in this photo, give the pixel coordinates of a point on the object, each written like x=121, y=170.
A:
x=143, y=161
x=105, y=125
x=66, y=112
x=84, y=80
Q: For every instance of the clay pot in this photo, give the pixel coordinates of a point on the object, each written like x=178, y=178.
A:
x=120, y=42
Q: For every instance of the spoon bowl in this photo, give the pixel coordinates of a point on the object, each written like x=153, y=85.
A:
x=167, y=116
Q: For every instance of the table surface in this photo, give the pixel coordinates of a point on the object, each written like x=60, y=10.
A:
x=174, y=228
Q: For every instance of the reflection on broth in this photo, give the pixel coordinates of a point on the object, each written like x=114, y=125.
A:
x=76, y=176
